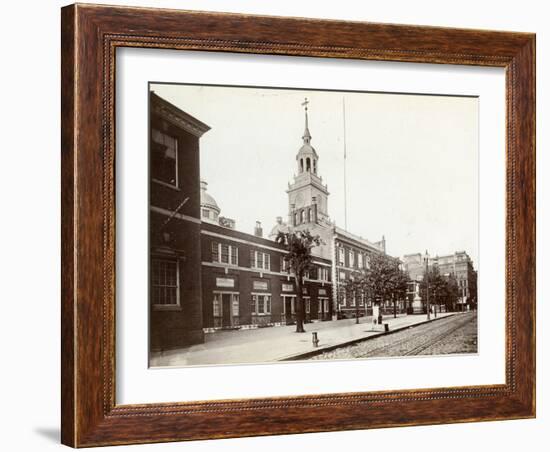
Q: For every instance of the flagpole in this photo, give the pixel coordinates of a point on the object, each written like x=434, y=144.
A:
x=174, y=213
x=345, y=180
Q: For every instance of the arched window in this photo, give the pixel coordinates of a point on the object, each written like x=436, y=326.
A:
x=314, y=166
x=309, y=215
x=301, y=165
x=302, y=216
x=295, y=219
x=308, y=164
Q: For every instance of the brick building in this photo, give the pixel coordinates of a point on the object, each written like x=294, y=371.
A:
x=352, y=254
x=308, y=209
x=174, y=226
x=245, y=282
x=206, y=275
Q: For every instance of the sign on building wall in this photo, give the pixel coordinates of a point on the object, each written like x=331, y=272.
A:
x=225, y=282
x=288, y=287
x=322, y=291
x=260, y=285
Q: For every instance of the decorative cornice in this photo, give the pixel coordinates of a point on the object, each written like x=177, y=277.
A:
x=177, y=117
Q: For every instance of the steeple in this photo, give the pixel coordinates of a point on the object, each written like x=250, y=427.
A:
x=307, y=136
x=307, y=157
x=307, y=196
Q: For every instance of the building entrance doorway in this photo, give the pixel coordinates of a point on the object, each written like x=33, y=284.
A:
x=226, y=310
x=289, y=309
x=323, y=308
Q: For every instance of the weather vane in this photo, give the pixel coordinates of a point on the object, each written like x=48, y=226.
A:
x=305, y=103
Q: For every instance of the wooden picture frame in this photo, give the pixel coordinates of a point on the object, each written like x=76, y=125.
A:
x=90, y=36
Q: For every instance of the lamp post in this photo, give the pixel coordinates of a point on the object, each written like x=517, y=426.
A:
x=427, y=288
x=336, y=283
x=356, y=306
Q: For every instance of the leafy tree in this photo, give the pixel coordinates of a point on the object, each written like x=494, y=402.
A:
x=400, y=282
x=442, y=289
x=384, y=280
x=430, y=281
x=354, y=288
x=450, y=293
x=299, y=260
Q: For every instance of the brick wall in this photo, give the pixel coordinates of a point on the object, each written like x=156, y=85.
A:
x=177, y=240
x=245, y=280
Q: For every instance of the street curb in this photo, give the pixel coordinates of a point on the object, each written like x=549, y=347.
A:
x=328, y=348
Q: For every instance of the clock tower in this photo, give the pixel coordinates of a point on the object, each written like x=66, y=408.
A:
x=307, y=195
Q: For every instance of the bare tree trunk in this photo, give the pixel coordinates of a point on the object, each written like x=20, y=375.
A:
x=394, y=307
x=299, y=306
x=356, y=307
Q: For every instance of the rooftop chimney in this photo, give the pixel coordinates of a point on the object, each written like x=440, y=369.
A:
x=258, y=231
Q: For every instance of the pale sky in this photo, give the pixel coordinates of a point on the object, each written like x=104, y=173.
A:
x=412, y=160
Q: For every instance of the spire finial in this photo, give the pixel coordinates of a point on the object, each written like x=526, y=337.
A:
x=307, y=136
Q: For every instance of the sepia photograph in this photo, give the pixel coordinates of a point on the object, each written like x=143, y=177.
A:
x=292, y=224
x=278, y=224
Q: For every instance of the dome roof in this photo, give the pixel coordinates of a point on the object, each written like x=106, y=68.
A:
x=207, y=200
x=307, y=149
x=279, y=227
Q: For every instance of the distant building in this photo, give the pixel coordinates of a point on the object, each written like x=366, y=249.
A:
x=459, y=265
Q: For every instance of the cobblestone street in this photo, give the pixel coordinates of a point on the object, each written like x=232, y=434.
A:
x=456, y=334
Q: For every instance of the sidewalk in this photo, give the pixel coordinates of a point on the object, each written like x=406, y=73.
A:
x=278, y=343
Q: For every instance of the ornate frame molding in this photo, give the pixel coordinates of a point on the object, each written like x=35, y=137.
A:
x=90, y=37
